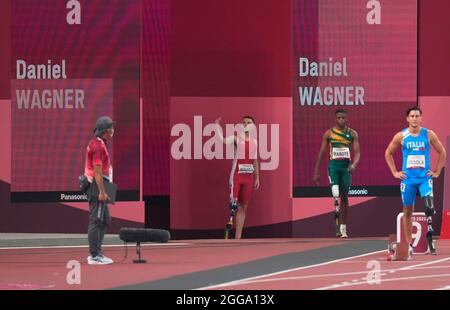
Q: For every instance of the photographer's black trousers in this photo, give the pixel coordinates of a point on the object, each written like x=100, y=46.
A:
x=99, y=220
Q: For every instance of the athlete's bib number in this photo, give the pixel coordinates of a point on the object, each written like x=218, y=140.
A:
x=340, y=153
x=246, y=168
x=415, y=162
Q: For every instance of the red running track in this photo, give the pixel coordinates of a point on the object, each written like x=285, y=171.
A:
x=423, y=272
x=46, y=268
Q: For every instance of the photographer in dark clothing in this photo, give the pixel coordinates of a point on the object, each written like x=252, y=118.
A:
x=98, y=170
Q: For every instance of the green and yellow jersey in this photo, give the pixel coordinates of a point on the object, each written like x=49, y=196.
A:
x=339, y=143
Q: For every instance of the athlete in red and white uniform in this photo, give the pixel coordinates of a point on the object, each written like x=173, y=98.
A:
x=245, y=170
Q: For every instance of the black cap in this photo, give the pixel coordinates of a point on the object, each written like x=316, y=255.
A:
x=103, y=123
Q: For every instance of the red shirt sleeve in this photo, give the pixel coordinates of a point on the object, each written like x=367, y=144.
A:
x=97, y=155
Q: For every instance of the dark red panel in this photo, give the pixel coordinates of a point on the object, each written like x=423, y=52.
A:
x=155, y=92
x=5, y=50
x=434, y=48
x=231, y=48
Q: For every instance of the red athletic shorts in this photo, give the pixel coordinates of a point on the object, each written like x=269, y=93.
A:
x=241, y=188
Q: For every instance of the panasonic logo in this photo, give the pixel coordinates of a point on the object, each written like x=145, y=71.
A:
x=359, y=192
x=65, y=197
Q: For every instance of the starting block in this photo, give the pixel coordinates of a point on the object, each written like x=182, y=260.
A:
x=419, y=232
x=397, y=250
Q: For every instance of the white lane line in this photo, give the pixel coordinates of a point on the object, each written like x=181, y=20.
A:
x=425, y=264
x=302, y=277
x=326, y=275
x=444, y=288
x=411, y=267
x=44, y=287
x=383, y=280
x=230, y=283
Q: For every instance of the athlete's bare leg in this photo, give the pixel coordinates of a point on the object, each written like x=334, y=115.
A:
x=240, y=219
x=343, y=210
x=407, y=222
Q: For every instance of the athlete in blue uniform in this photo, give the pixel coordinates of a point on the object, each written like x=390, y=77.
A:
x=416, y=173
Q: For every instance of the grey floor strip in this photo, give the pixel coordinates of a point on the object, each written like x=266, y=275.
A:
x=109, y=240
x=262, y=266
x=6, y=236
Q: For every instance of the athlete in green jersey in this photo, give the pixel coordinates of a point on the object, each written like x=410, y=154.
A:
x=339, y=138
